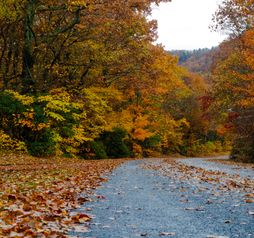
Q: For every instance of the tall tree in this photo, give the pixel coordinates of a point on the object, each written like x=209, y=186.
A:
x=82, y=42
x=234, y=74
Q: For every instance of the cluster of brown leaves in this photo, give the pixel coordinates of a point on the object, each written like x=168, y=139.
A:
x=37, y=195
x=221, y=181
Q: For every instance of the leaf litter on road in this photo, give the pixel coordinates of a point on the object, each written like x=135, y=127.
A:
x=37, y=196
x=222, y=182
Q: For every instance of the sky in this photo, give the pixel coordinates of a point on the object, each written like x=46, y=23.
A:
x=184, y=24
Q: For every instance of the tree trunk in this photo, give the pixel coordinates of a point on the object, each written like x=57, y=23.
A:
x=27, y=79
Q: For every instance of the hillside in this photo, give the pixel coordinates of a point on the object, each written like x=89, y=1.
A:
x=197, y=61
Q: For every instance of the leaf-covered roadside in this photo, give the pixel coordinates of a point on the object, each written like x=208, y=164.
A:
x=220, y=182
x=37, y=195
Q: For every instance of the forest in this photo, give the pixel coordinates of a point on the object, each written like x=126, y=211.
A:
x=85, y=79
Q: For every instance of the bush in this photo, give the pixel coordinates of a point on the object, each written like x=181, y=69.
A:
x=243, y=150
x=114, y=143
x=41, y=149
x=13, y=106
x=137, y=150
x=10, y=104
x=46, y=123
x=98, y=150
x=152, y=146
x=44, y=146
x=210, y=147
x=7, y=144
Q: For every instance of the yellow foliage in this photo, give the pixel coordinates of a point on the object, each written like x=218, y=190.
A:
x=97, y=105
x=9, y=9
x=137, y=150
x=11, y=145
x=24, y=99
x=171, y=131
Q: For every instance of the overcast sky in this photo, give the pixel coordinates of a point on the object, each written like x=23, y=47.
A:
x=184, y=24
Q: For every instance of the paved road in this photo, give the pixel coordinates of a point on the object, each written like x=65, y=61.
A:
x=209, y=165
x=143, y=203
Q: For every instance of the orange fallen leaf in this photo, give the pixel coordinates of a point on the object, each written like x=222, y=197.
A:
x=249, y=201
x=81, y=218
x=250, y=195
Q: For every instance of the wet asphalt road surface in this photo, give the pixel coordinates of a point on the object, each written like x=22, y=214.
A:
x=138, y=202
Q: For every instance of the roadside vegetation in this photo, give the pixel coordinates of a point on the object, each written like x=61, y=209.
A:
x=84, y=79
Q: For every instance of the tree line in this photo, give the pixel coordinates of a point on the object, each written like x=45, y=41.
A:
x=233, y=75
x=84, y=78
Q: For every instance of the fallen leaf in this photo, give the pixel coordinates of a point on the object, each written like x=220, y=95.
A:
x=249, y=201
x=249, y=195
x=81, y=218
x=82, y=229
x=167, y=234
x=143, y=234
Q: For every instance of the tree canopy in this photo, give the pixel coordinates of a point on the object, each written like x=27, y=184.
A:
x=75, y=70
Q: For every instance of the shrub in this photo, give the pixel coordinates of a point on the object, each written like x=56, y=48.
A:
x=210, y=147
x=243, y=149
x=98, y=150
x=137, y=150
x=114, y=143
x=46, y=123
x=152, y=146
x=44, y=146
x=13, y=107
x=7, y=144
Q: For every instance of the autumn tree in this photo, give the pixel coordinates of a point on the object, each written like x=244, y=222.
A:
x=78, y=70
x=73, y=46
x=233, y=75
x=56, y=42
x=235, y=16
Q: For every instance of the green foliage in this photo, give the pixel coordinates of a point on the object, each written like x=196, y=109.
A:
x=44, y=146
x=99, y=150
x=64, y=118
x=12, y=108
x=9, y=104
x=151, y=145
x=54, y=123
x=152, y=142
x=115, y=144
x=207, y=148
x=243, y=150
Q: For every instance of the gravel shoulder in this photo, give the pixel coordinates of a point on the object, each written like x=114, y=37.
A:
x=154, y=198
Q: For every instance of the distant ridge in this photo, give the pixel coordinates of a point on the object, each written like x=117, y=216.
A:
x=197, y=61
